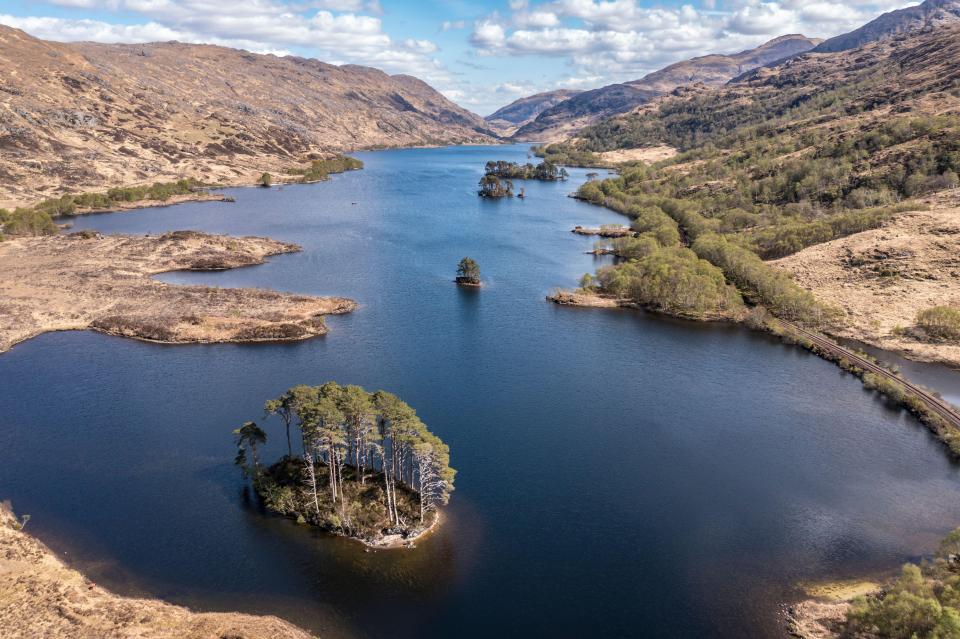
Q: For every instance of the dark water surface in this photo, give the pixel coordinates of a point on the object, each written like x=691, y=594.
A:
x=620, y=474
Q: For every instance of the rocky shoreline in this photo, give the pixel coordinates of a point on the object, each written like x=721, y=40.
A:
x=105, y=283
x=40, y=596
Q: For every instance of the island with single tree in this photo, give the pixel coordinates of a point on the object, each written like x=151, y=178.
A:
x=468, y=273
x=367, y=467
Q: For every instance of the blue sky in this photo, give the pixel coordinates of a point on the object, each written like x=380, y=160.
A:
x=480, y=53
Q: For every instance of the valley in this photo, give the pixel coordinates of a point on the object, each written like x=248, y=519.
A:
x=729, y=392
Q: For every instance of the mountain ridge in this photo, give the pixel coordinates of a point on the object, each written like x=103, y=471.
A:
x=928, y=14
x=589, y=107
x=86, y=116
x=509, y=118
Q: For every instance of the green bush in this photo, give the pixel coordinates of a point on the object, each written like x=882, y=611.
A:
x=673, y=280
x=917, y=606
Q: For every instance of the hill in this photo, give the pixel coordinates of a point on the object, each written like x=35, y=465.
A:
x=846, y=161
x=85, y=116
x=589, y=107
x=929, y=14
x=508, y=119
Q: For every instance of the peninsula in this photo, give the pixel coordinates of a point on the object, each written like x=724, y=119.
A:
x=90, y=281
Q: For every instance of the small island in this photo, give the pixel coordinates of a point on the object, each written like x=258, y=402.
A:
x=493, y=187
x=468, y=273
x=367, y=468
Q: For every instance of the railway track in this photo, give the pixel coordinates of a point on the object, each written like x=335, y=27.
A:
x=936, y=405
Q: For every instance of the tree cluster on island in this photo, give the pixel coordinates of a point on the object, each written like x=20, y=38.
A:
x=493, y=187
x=546, y=171
x=368, y=467
x=468, y=272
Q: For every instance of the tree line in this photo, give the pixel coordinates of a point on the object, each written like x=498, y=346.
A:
x=546, y=171
x=365, y=464
x=320, y=170
x=38, y=219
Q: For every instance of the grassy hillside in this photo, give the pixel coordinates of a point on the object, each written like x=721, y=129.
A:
x=823, y=146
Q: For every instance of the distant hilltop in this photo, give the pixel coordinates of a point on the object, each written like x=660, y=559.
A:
x=565, y=118
x=83, y=116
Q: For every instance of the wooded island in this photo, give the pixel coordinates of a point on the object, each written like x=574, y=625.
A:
x=368, y=467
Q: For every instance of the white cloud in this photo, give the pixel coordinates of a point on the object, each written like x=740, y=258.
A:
x=514, y=88
x=450, y=26
x=623, y=39
x=332, y=30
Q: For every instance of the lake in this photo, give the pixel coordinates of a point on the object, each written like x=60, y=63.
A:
x=620, y=473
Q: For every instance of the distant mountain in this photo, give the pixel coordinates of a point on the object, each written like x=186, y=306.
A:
x=929, y=14
x=519, y=112
x=589, y=107
x=567, y=117
x=85, y=116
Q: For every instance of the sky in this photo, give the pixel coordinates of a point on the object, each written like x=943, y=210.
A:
x=482, y=54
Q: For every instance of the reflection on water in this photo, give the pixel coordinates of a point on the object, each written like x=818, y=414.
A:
x=620, y=473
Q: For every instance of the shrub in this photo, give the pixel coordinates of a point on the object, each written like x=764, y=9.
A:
x=673, y=280
x=942, y=322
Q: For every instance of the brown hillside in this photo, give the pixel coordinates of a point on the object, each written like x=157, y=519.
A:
x=84, y=116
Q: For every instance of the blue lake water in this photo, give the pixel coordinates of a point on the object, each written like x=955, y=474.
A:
x=620, y=474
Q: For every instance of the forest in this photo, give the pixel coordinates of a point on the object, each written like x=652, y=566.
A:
x=765, y=178
x=365, y=465
x=493, y=187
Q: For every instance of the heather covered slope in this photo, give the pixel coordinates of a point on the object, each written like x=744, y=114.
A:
x=83, y=116
x=567, y=117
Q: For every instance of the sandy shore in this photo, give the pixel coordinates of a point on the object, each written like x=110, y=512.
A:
x=105, y=283
x=42, y=597
x=882, y=278
x=604, y=231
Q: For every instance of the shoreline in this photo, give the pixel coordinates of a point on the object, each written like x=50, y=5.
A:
x=822, y=611
x=580, y=298
x=106, y=284
x=122, y=207
x=38, y=590
x=396, y=541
